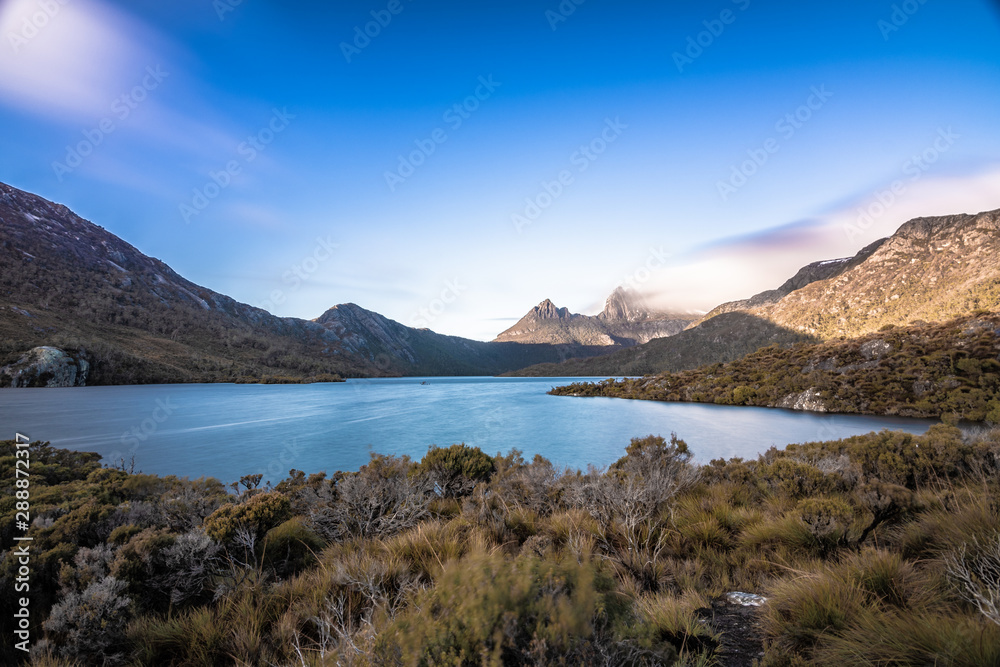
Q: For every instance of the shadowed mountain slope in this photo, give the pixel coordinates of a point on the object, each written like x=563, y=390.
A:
x=113, y=315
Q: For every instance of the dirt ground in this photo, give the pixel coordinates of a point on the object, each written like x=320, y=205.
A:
x=742, y=641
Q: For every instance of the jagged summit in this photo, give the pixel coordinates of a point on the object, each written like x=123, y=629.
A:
x=625, y=321
x=626, y=305
x=958, y=226
x=547, y=310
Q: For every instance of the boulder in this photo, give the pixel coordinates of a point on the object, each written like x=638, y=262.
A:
x=809, y=400
x=46, y=367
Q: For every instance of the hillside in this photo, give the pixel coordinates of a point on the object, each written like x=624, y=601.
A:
x=923, y=370
x=931, y=269
x=724, y=338
x=423, y=352
x=113, y=315
x=625, y=321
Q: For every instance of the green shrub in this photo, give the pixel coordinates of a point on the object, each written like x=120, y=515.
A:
x=122, y=534
x=258, y=515
x=290, y=547
x=457, y=469
x=796, y=478
x=828, y=519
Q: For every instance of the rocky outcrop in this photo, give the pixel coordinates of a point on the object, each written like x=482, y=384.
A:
x=625, y=305
x=809, y=400
x=547, y=310
x=46, y=367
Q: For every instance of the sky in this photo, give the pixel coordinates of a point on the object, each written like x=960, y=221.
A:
x=452, y=164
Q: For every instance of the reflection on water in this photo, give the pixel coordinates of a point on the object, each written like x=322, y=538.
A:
x=226, y=431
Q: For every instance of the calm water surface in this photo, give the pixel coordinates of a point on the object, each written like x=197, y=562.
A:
x=225, y=430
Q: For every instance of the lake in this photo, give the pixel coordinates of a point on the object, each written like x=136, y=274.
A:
x=226, y=430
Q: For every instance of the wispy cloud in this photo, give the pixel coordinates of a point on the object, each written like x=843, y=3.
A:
x=739, y=267
x=68, y=59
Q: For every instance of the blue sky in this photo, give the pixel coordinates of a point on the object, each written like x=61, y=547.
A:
x=698, y=151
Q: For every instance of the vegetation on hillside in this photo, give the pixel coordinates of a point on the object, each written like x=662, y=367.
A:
x=931, y=269
x=923, y=370
x=877, y=549
x=723, y=338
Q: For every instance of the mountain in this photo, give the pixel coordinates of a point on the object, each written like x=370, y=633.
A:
x=625, y=321
x=412, y=351
x=932, y=269
x=724, y=338
x=79, y=306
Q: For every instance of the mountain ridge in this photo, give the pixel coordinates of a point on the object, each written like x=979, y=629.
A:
x=931, y=268
x=118, y=316
x=625, y=321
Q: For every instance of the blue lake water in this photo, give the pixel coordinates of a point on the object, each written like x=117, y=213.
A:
x=225, y=430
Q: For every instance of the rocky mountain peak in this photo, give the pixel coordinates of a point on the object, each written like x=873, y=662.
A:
x=926, y=229
x=547, y=310
x=625, y=305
